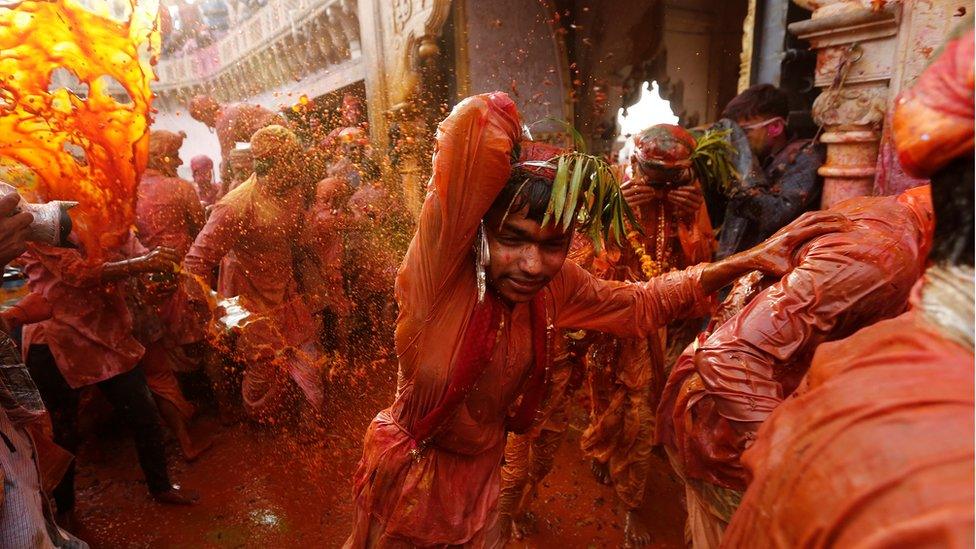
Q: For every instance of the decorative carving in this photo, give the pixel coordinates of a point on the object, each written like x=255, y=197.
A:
x=851, y=107
x=250, y=60
x=402, y=10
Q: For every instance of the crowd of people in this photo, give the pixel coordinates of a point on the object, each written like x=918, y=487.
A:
x=706, y=307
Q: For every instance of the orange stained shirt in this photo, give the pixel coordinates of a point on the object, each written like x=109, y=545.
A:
x=448, y=496
x=875, y=449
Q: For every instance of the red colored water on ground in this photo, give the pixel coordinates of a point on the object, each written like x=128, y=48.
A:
x=261, y=488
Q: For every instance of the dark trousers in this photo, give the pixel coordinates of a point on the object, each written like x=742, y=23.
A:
x=127, y=393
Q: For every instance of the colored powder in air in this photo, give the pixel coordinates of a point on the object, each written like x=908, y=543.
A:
x=91, y=149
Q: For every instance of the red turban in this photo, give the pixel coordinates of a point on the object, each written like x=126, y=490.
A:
x=163, y=143
x=539, y=158
x=933, y=120
x=664, y=146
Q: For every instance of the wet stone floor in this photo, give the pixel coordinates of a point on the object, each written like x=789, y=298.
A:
x=262, y=487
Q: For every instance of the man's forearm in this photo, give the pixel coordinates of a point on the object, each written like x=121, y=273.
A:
x=118, y=270
x=716, y=276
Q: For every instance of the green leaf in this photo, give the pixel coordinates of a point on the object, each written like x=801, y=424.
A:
x=558, y=198
x=574, y=188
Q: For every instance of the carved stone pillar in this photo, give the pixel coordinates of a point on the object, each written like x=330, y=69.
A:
x=404, y=105
x=854, y=46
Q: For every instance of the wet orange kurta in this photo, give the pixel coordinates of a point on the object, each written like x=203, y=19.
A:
x=168, y=214
x=875, y=449
x=626, y=376
x=449, y=495
x=261, y=230
x=718, y=395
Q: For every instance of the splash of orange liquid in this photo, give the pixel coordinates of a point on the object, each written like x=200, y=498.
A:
x=37, y=127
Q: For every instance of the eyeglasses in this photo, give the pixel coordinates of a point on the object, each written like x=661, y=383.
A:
x=762, y=124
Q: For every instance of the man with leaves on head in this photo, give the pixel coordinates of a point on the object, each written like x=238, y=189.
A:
x=481, y=291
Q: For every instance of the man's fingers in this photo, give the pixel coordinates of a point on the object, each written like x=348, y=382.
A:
x=684, y=202
x=21, y=220
x=8, y=204
x=640, y=201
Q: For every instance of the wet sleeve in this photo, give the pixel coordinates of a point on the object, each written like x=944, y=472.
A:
x=69, y=266
x=626, y=309
x=215, y=240
x=472, y=163
x=835, y=289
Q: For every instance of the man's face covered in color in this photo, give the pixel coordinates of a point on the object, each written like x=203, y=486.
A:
x=524, y=255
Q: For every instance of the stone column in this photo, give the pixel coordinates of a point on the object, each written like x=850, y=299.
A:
x=855, y=56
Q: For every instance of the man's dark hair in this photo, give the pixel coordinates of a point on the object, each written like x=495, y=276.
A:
x=952, y=202
x=524, y=189
x=759, y=100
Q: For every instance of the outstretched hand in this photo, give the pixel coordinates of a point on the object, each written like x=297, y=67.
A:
x=775, y=255
x=160, y=260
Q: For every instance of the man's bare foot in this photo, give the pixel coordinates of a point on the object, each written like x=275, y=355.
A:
x=636, y=533
x=192, y=451
x=524, y=525
x=176, y=496
x=601, y=471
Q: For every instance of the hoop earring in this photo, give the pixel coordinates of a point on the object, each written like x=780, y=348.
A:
x=482, y=257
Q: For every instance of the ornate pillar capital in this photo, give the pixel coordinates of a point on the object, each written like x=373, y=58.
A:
x=854, y=44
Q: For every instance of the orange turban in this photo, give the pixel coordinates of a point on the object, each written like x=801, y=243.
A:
x=163, y=143
x=664, y=146
x=933, y=121
x=274, y=141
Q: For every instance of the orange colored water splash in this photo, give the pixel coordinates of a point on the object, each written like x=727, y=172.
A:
x=39, y=129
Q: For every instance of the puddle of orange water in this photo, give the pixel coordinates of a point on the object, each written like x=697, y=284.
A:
x=37, y=127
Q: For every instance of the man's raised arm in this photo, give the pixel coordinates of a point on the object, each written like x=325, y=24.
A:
x=472, y=163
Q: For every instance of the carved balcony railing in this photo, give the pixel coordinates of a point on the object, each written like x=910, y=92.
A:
x=283, y=42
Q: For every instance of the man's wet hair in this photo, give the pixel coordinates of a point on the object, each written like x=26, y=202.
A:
x=524, y=189
x=760, y=100
x=952, y=202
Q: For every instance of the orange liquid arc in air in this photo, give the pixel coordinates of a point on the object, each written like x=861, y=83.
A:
x=39, y=129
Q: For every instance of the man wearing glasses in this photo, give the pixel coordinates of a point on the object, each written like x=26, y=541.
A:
x=783, y=182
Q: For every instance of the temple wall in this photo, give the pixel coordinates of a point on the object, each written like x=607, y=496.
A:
x=511, y=47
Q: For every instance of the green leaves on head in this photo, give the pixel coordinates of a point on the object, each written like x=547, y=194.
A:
x=586, y=189
x=713, y=160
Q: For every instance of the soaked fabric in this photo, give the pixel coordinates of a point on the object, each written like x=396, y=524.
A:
x=772, y=195
x=261, y=229
x=90, y=332
x=625, y=376
x=933, y=120
x=449, y=496
x=875, y=449
x=721, y=392
x=324, y=248
x=168, y=214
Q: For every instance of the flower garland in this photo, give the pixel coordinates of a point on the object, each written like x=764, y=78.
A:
x=660, y=264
